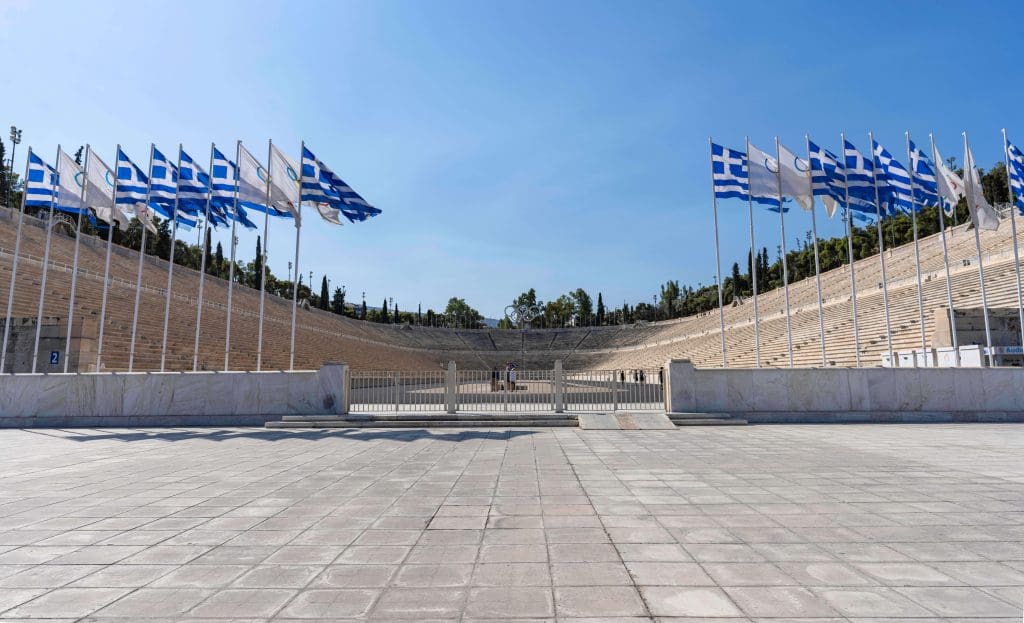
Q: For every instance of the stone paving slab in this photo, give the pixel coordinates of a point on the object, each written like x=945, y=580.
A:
x=816, y=523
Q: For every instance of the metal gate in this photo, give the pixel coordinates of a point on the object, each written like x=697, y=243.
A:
x=499, y=391
x=378, y=391
x=504, y=391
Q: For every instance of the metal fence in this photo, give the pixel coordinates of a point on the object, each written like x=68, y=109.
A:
x=381, y=391
x=501, y=390
x=489, y=391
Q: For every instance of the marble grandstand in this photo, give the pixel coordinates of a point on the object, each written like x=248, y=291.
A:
x=323, y=337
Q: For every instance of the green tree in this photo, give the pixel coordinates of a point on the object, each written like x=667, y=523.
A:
x=207, y=254
x=219, y=261
x=600, y=310
x=384, y=312
x=669, y=296
x=257, y=273
x=324, y=295
x=737, y=281
x=338, y=302
x=459, y=313
x=583, y=306
x=363, y=310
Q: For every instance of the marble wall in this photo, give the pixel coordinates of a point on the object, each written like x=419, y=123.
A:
x=169, y=399
x=850, y=394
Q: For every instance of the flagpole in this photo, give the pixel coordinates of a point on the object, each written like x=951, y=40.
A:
x=849, y=249
x=106, y=267
x=945, y=259
x=917, y=256
x=1013, y=231
x=718, y=260
x=969, y=180
x=74, y=263
x=231, y=269
x=46, y=261
x=295, y=284
x=202, y=262
x=785, y=266
x=14, y=267
x=753, y=261
x=142, y=257
x=170, y=262
x=881, y=252
x=263, y=264
x=817, y=261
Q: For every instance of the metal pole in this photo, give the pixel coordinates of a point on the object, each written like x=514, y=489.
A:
x=231, y=268
x=15, y=139
x=170, y=266
x=142, y=257
x=753, y=261
x=849, y=248
x=202, y=261
x=295, y=284
x=917, y=255
x=106, y=267
x=718, y=260
x=881, y=252
x=945, y=259
x=817, y=261
x=46, y=262
x=1013, y=230
x=969, y=182
x=74, y=263
x=785, y=267
x=263, y=266
x=14, y=265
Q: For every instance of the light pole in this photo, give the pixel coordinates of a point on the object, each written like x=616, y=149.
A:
x=289, y=271
x=15, y=139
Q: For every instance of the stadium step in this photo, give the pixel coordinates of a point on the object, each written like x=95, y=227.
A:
x=705, y=419
x=424, y=421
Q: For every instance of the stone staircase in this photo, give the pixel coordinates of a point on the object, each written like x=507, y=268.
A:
x=705, y=419
x=426, y=420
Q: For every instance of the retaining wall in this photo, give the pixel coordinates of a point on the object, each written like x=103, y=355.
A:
x=169, y=399
x=826, y=395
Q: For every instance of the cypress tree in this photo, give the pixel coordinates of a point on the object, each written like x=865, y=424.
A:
x=600, y=310
x=324, y=295
x=219, y=260
x=384, y=312
x=257, y=266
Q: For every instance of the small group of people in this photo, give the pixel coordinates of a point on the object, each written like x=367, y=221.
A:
x=638, y=376
x=504, y=379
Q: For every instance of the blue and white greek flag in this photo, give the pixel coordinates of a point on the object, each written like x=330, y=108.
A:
x=1016, y=173
x=163, y=175
x=131, y=182
x=224, y=176
x=40, y=187
x=893, y=180
x=193, y=185
x=330, y=193
x=729, y=174
x=860, y=177
x=926, y=190
x=826, y=173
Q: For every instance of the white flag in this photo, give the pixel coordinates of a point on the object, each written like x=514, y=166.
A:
x=70, y=181
x=951, y=187
x=145, y=216
x=796, y=179
x=99, y=192
x=329, y=214
x=284, y=182
x=252, y=178
x=765, y=177
x=983, y=214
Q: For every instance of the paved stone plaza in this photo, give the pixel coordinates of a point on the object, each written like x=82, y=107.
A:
x=854, y=523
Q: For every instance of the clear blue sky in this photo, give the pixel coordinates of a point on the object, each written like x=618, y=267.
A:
x=512, y=145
